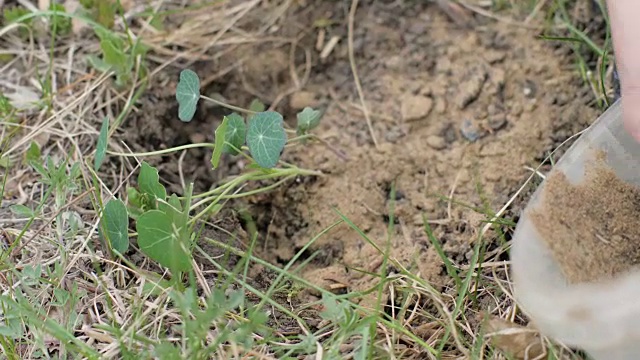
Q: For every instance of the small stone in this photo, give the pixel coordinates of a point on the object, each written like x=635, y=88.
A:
x=302, y=99
x=394, y=134
x=449, y=134
x=470, y=89
x=529, y=90
x=496, y=122
x=493, y=56
x=436, y=142
x=470, y=131
x=415, y=107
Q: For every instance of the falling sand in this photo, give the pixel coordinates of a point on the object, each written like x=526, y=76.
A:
x=591, y=228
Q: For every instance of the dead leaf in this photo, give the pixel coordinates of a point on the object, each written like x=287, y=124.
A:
x=518, y=341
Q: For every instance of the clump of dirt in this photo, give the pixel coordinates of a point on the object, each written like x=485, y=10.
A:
x=590, y=227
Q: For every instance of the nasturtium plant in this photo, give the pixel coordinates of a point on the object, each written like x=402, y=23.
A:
x=173, y=208
x=235, y=134
x=257, y=106
x=308, y=119
x=187, y=94
x=149, y=182
x=220, y=134
x=266, y=138
x=164, y=240
x=114, y=225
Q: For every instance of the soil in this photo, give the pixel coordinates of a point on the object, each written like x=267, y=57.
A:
x=590, y=227
x=459, y=113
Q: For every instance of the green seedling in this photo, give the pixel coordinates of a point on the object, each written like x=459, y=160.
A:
x=264, y=133
x=308, y=119
x=114, y=225
x=118, y=55
x=235, y=134
x=164, y=232
x=163, y=223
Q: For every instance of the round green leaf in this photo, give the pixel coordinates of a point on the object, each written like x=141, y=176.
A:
x=235, y=134
x=116, y=222
x=187, y=94
x=164, y=241
x=266, y=138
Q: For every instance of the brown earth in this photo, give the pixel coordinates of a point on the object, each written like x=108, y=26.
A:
x=590, y=227
x=458, y=113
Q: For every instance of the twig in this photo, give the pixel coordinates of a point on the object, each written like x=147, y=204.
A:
x=352, y=61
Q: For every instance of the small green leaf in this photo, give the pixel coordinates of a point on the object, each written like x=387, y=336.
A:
x=167, y=351
x=21, y=210
x=188, y=94
x=235, y=134
x=98, y=63
x=155, y=288
x=60, y=297
x=220, y=133
x=4, y=162
x=257, y=106
x=11, y=326
x=113, y=56
x=266, y=138
x=149, y=182
x=116, y=223
x=160, y=240
x=33, y=153
x=308, y=119
x=105, y=13
x=101, y=147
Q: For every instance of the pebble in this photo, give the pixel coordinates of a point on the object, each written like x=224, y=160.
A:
x=470, y=131
x=394, y=134
x=436, y=142
x=441, y=105
x=415, y=107
x=470, y=89
x=497, y=122
x=449, y=133
x=530, y=89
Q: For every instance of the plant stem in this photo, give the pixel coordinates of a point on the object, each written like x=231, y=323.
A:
x=165, y=151
x=228, y=106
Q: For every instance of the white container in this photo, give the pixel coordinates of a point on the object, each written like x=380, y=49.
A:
x=602, y=319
